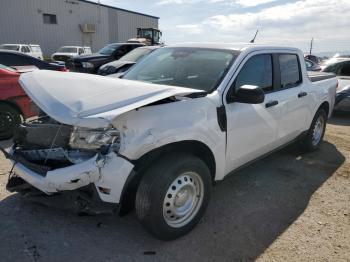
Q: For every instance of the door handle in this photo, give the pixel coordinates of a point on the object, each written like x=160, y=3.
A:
x=301, y=94
x=271, y=103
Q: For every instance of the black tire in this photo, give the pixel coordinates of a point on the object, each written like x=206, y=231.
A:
x=307, y=143
x=10, y=118
x=152, y=192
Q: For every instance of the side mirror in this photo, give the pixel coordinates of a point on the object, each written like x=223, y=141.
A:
x=248, y=94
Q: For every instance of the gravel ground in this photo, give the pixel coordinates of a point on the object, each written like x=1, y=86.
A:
x=286, y=207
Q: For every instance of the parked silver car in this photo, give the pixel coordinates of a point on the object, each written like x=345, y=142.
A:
x=342, y=69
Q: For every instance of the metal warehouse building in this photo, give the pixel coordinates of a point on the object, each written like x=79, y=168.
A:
x=55, y=23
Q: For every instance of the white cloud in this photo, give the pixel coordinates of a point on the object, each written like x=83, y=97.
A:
x=249, y=3
x=167, y=2
x=190, y=28
x=291, y=23
x=244, y=3
x=294, y=13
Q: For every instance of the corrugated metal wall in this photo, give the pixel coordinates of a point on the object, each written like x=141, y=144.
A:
x=128, y=23
x=21, y=21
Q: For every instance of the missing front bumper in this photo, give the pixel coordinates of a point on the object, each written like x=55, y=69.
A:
x=108, y=173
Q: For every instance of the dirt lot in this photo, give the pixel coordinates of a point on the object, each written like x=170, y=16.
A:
x=286, y=207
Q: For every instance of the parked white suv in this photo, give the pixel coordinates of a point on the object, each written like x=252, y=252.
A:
x=66, y=52
x=32, y=50
x=182, y=118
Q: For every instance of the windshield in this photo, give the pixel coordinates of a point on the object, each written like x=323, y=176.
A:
x=109, y=49
x=66, y=49
x=135, y=54
x=197, y=68
x=336, y=68
x=10, y=47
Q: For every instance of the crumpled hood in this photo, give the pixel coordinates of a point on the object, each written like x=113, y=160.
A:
x=90, y=100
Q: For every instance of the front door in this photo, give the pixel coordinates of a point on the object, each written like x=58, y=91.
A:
x=252, y=128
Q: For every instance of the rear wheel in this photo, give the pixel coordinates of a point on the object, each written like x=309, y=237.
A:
x=9, y=120
x=173, y=195
x=315, y=134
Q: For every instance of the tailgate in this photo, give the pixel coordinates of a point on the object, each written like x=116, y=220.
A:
x=319, y=76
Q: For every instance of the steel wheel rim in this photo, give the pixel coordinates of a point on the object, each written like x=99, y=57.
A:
x=183, y=199
x=318, y=130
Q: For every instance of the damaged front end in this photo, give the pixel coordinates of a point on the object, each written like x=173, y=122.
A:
x=55, y=158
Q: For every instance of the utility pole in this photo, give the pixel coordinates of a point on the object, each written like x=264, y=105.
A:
x=256, y=33
x=312, y=41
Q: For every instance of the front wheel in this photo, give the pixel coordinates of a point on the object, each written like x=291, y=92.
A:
x=316, y=132
x=173, y=195
x=9, y=120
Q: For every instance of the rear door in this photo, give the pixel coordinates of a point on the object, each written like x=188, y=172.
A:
x=292, y=95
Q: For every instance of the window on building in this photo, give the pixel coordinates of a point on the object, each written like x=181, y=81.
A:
x=49, y=19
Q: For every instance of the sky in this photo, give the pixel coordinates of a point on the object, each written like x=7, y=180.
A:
x=280, y=22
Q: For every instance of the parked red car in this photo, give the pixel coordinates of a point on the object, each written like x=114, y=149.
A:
x=15, y=105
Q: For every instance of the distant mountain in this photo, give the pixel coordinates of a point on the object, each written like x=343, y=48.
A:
x=330, y=54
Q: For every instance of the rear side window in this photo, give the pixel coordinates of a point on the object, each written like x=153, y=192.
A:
x=344, y=70
x=13, y=60
x=22, y=60
x=257, y=71
x=25, y=49
x=122, y=51
x=290, y=70
x=36, y=48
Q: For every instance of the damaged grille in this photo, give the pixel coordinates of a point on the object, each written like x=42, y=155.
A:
x=36, y=135
x=44, y=146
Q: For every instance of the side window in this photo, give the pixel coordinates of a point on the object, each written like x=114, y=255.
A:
x=256, y=71
x=81, y=51
x=344, y=69
x=121, y=51
x=308, y=64
x=135, y=46
x=5, y=60
x=290, y=70
x=24, y=49
x=13, y=60
x=332, y=69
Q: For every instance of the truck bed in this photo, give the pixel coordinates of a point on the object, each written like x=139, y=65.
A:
x=319, y=76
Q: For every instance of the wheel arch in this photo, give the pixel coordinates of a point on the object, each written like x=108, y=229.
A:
x=194, y=147
x=12, y=104
x=325, y=106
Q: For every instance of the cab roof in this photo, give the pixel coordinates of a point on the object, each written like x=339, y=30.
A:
x=233, y=46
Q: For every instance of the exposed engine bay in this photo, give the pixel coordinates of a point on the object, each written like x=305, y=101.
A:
x=44, y=144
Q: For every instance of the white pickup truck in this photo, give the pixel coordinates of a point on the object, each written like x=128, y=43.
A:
x=181, y=119
x=32, y=50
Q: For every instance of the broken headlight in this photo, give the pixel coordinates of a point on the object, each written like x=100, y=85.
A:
x=90, y=139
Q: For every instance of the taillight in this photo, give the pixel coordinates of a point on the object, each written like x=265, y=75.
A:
x=338, y=87
x=64, y=69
